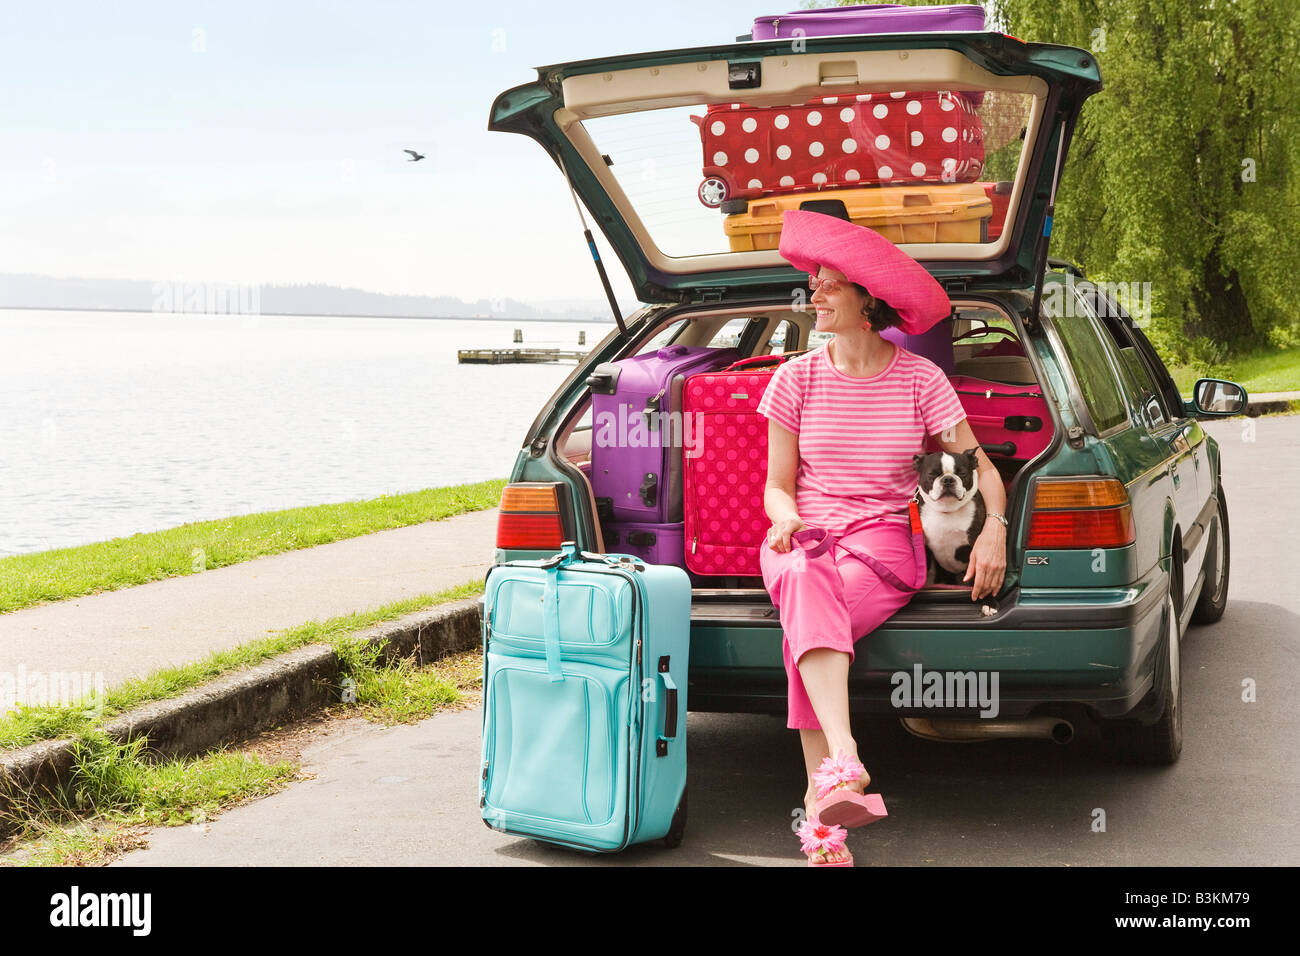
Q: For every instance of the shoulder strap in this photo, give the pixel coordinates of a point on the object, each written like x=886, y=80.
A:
x=817, y=541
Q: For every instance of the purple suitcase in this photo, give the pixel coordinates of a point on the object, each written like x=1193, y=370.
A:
x=652, y=543
x=637, y=433
x=869, y=18
x=935, y=343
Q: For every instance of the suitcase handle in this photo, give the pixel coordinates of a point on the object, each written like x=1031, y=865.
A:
x=670, y=707
x=1007, y=448
x=758, y=361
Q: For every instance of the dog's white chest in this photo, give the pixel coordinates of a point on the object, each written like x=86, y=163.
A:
x=945, y=532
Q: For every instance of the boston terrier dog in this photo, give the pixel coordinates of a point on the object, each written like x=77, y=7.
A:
x=952, y=515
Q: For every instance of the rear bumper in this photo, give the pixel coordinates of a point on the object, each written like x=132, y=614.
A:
x=1047, y=649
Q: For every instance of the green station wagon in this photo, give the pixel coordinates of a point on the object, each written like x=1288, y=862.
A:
x=1118, y=534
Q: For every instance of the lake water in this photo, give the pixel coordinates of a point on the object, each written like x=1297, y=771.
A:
x=114, y=423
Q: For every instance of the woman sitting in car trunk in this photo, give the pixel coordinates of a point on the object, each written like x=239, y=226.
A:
x=844, y=422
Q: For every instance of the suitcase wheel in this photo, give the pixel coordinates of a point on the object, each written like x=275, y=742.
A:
x=677, y=829
x=713, y=192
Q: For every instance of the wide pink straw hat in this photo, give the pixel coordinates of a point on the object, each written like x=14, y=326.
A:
x=810, y=240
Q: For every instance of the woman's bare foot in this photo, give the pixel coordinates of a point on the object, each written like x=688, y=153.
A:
x=861, y=787
x=810, y=811
x=849, y=748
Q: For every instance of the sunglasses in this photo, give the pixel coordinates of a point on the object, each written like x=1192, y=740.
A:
x=831, y=286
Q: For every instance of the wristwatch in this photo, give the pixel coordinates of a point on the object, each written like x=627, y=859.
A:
x=994, y=514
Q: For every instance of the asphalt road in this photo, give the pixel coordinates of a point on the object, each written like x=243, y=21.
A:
x=407, y=795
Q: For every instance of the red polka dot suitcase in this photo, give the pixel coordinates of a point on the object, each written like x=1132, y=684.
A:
x=723, y=481
x=831, y=142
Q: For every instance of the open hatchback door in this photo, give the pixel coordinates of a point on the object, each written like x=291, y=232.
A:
x=949, y=144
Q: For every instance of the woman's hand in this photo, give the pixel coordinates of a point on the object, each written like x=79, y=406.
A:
x=988, y=560
x=778, y=536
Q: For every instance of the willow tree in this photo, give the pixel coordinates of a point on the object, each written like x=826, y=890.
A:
x=1182, y=171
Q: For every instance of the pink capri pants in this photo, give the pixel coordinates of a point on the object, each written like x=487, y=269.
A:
x=834, y=599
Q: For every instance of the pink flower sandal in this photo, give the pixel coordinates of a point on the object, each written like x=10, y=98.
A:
x=836, y=803
x=819, y=840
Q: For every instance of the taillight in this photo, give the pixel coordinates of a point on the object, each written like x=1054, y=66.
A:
x=1080, y=513
x=531, y=517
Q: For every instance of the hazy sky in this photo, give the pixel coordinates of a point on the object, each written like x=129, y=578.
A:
x=261, y=141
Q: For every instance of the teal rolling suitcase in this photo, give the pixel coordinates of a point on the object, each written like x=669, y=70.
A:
x=584, y=700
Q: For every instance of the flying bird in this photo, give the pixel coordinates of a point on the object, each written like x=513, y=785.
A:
x=415, y=157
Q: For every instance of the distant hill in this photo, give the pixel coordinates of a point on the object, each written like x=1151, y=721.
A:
x=132, y=295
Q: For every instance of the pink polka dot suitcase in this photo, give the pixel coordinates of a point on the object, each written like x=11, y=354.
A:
x=723, y=483
x=831, y=142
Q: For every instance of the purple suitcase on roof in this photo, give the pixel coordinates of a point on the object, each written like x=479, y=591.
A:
x=869, y=18
x=637, y=432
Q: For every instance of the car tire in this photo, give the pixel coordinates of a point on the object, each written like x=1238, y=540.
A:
x=1159, y=742
x=677, y=829
x=1214, y=592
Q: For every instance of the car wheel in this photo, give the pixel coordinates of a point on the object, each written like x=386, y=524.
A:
x=1159, y=742
x=1214, y=592
x=677, y=829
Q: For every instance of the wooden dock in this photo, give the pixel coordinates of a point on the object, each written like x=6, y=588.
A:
x=516, y=356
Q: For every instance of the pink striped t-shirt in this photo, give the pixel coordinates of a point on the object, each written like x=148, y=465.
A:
x=857, y=436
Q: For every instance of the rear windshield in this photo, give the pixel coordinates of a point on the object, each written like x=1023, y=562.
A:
x=917, y=166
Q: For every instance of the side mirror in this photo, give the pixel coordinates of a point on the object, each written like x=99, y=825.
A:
x=1215, y=396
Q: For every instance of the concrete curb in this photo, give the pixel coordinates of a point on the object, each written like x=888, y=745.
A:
x=1269, y=402
x=241, y=704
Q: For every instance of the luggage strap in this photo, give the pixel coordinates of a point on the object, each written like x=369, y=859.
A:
x=551, y=608
x=817, y=541
x=568, y=554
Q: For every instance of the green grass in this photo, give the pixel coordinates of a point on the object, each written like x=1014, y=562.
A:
x=120, y=789
x=28, y=725
x=1261, y=370
x=30, y=579
x=47, y=841
x=117, y=780
x=402, y=692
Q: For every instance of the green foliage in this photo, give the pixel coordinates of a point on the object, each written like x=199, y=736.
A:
x=1182, y=171
x=1158, y=185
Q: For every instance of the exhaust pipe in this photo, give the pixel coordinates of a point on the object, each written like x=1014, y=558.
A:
x=956, y=730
